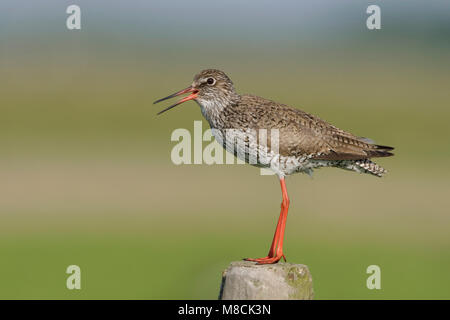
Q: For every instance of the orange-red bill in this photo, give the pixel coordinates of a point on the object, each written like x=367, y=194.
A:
x=192, y=96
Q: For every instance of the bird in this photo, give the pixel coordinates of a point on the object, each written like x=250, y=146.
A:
x=303, y=142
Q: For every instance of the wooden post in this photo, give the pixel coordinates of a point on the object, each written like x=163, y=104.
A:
x=282, y=281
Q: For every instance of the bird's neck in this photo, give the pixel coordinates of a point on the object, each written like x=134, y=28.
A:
x=213, y=109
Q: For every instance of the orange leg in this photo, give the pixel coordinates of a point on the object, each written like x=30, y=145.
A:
x=276, y=249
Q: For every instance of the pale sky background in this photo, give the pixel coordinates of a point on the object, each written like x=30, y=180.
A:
x=226, y=20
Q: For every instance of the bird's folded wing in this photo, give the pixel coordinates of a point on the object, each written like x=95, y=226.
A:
x=302, y=134
x=326, y=142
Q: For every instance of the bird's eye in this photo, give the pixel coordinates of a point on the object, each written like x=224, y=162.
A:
x=210, y=81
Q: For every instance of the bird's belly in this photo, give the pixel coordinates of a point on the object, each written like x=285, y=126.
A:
x=244, y=145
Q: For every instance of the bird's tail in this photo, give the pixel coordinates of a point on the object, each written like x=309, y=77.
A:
x=371, y=167
x=379, y=151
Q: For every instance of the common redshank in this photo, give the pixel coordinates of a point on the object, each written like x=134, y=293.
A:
x=305, y=142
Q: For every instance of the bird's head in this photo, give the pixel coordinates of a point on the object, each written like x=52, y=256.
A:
x=210, y=88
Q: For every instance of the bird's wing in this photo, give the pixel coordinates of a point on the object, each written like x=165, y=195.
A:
x=303, y=134
x=309, y=135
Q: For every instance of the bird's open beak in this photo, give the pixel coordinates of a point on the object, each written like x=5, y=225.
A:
x=192, y=96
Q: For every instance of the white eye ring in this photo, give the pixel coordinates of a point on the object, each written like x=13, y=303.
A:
x=211, y=81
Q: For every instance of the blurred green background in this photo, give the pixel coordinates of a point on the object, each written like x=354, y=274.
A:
x=85, y=170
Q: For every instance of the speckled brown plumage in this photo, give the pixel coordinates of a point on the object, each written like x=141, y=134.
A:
x=300, y=133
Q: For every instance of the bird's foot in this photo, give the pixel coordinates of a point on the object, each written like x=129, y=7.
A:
x=268, y=259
